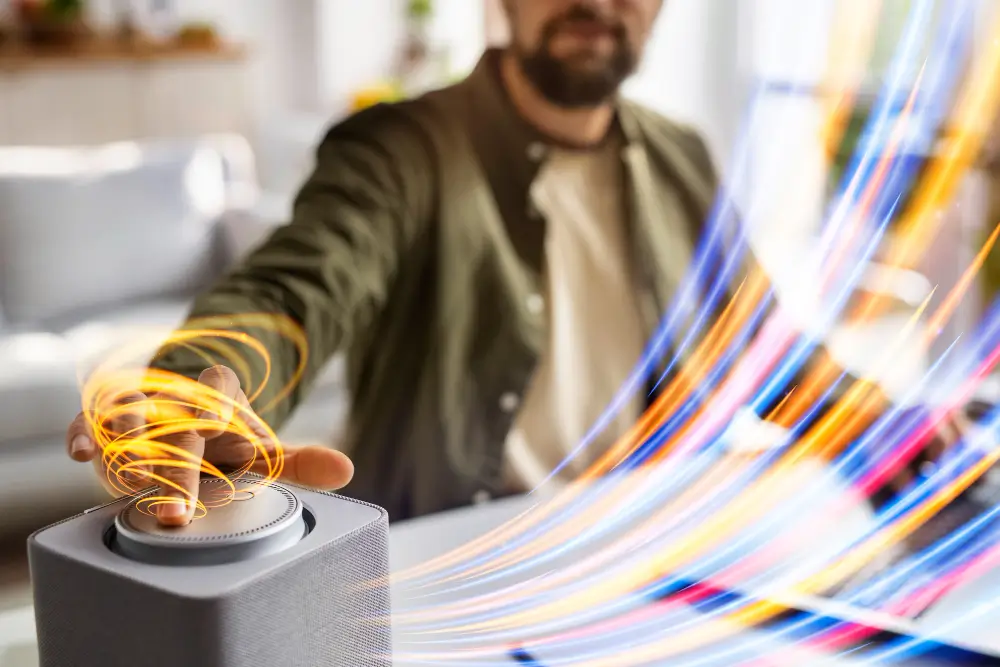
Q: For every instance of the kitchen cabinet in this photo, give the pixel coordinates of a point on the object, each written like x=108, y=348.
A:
x=51, y=100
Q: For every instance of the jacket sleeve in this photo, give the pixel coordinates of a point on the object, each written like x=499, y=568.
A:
x=329, y=270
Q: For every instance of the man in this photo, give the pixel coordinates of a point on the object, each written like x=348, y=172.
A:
x=492, y=257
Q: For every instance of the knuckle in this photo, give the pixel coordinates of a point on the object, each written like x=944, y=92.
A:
x=131, y=397
x=188, y=441
x=181, y=476
x=255, y=422
x=127, y=416
x=219, y=376
x=76, y=426
x=230, y=451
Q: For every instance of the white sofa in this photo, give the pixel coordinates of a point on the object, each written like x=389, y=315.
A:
x=97, y=245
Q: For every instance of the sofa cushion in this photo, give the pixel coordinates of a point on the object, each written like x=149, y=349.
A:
x=39, y=394
x=135, y=331
x=40, y=371
x=87, y=228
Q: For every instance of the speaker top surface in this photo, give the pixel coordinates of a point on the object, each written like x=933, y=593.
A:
x=90, y=539
x=258, y=519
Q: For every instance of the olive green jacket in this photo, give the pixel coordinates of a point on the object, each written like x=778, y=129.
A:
x=415, y=249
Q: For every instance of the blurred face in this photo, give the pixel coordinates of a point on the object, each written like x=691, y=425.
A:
x=577, y=53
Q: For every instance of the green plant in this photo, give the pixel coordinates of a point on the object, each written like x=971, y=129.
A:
x=420, y=9
x=64, y=9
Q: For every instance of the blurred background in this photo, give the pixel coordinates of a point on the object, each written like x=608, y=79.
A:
x=160, y=139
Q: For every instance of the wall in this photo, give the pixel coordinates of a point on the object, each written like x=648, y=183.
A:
x=285, y=71
x=331, y=49
x=261, y=24
x=360, y=41
x=495, y=23
x=462, y=24
x=690, y=70
x=785, y=47
x=310, y=56
x=359, y=45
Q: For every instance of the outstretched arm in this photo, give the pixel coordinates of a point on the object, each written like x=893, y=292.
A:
x=365, y=205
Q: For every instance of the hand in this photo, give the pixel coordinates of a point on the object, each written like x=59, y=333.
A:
x=316, y=467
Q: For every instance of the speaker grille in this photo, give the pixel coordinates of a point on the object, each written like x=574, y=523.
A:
x=331, y=593
x=310, y=610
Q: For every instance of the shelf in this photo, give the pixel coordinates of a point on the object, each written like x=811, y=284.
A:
x=100, y=52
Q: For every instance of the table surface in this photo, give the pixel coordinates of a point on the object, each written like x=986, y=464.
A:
x=415, y=542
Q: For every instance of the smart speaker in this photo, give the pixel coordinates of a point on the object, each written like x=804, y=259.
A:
x=278, y=576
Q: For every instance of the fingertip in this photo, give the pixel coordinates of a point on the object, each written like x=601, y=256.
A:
x=223, y=380
x=81, y=448
x=219, y=377
x=323, y=468
x=175, y=514
x=346, y=468
x=173, y=521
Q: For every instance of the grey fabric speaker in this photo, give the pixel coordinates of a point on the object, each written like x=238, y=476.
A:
x=279, y=576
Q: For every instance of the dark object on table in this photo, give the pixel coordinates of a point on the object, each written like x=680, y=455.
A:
x=523, y=657
x=978, y=411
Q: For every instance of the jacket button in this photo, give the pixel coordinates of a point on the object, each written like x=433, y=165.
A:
x=535, y=304
x=480, y=497
x=509, y=402
x=536, y=151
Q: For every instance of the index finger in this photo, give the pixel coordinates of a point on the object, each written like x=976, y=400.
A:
x=177, y=471
x=223, y=380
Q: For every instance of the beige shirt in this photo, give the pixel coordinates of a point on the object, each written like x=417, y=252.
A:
x=595, y=333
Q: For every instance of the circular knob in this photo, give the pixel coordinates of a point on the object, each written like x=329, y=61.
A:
x=259, y=520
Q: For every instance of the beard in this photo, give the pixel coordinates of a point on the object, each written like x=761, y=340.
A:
x=577, y=81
